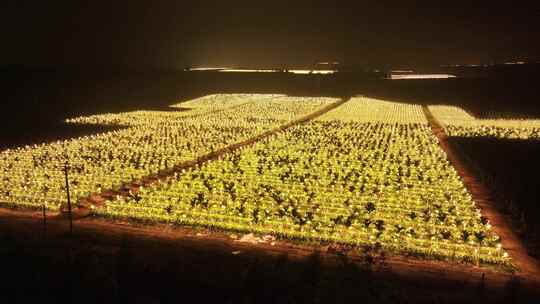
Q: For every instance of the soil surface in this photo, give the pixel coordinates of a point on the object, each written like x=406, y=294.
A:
x=527, y=266
x=122, y=259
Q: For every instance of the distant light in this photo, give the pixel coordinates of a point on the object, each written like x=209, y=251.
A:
x=328, y=63
x=300, y=71
x=312, y=71
x=247, y=71
x=223, y=69
x=206, y=69
x=402, y=71
x=422, y=76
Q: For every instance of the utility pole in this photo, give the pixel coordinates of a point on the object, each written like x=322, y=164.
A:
x=44, y=219
x=66, y=168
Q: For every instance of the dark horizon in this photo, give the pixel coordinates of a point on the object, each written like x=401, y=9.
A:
x=247, y=34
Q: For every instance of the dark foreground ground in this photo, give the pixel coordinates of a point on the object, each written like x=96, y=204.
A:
x=510, y=169
x=105, y=263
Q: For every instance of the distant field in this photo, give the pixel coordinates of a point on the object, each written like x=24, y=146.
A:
x=459, y=123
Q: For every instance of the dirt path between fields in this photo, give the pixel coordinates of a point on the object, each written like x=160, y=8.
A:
x=528, y=267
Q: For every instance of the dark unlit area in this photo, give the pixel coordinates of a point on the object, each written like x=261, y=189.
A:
x=108, y=263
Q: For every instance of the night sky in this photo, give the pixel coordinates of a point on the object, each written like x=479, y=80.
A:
x=266, y=33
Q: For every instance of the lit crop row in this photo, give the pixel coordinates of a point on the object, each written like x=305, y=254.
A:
x=196, y=107
x=220, y=101
x=369, y=110
x=458, y=122
x=346, y=181
x=32, y=176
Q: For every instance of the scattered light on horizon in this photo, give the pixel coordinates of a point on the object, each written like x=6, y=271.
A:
x=328, y=63
x=475, y=65
x=248, y=71
x=222, y=69
x=207, y=69
x=422, y=76
x=312, y=71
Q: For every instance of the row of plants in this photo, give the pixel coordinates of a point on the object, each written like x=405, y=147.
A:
x=341, y=180
x=191, y=108
x=365, y=109
x=32, y=176
x=459, y=123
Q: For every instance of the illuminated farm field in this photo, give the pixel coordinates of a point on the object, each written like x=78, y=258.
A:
x=196, y=107
x=458, y=122
x=367, y=172
x=151, y=141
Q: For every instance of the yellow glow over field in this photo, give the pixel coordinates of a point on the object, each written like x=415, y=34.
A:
x=422, y=76
x=370, y=110
x=367, y=172
x=153, y=141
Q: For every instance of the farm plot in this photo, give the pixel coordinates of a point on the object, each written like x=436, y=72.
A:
x=32, y=176
x=349, y=177
x=459, y=123
x=196, y=107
